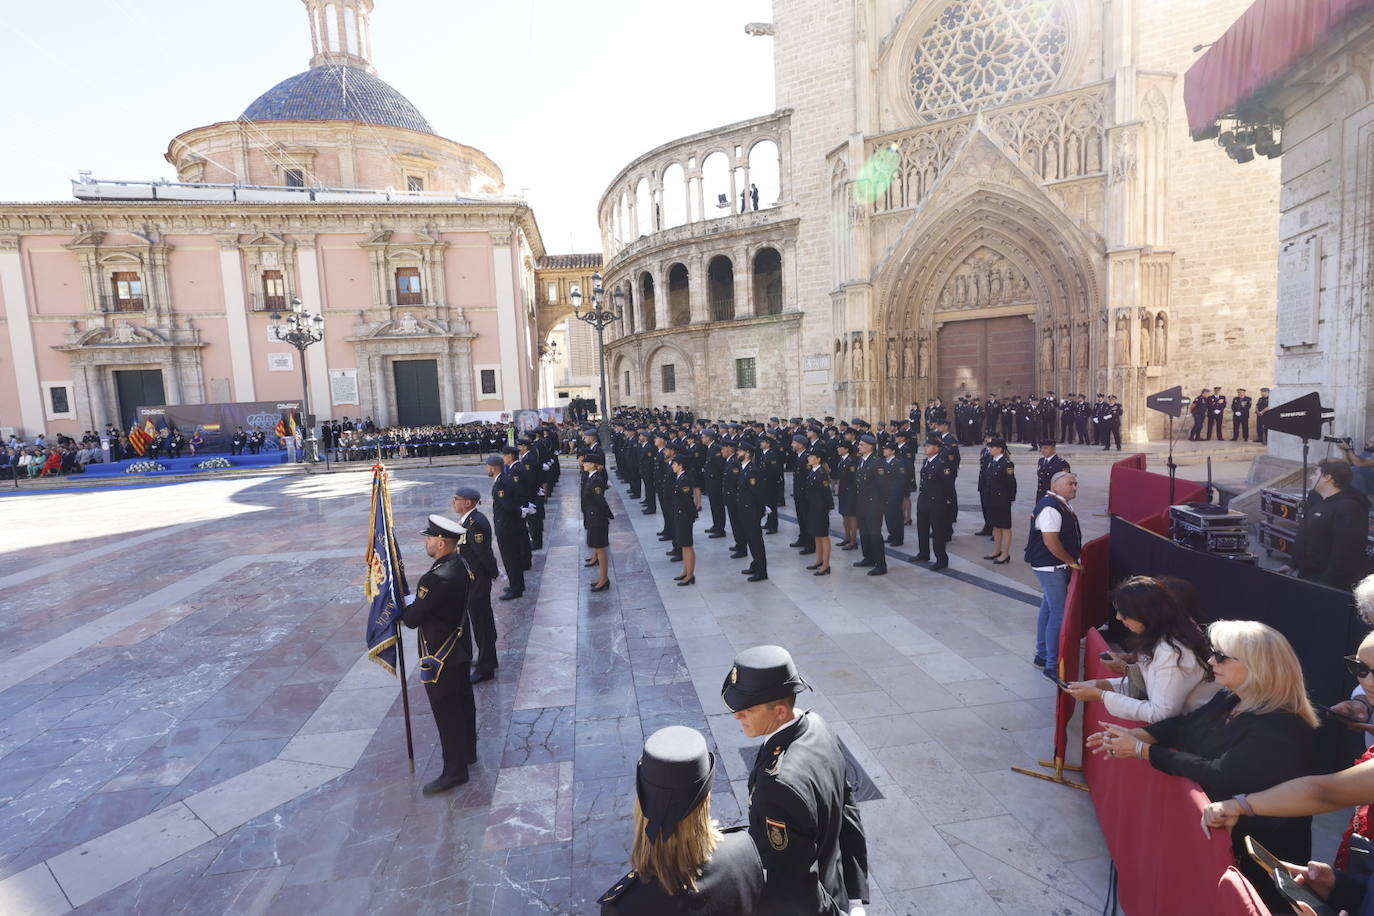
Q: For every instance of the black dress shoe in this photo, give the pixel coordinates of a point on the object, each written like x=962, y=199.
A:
x=921, y=557
x=738, y=554
x=715, y=534
x=982, y=532
x=600, y=588
x=936, y=567
x=814, y=566
x=862, y=563
x=896, y=543
x=509, y=595
x=665, y=537
x=850, y=547
x=807, y=552
x=445, y=782
x=648, y=511
x=797, y=544
x=747, y=572
x=878, y=571
x=757, y=577
x=479, y=677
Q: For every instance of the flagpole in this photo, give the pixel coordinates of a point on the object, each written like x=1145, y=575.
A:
x=405, y=694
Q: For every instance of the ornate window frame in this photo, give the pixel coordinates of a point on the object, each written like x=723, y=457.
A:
x=426, y=253
x=269, y=251
x=100, y=259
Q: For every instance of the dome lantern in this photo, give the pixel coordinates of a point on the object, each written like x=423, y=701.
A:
x=341, y=33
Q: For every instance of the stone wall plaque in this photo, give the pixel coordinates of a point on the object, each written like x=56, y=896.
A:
x=817, y=363
x=1299, y=291
x=280, y=362
x=343, y=386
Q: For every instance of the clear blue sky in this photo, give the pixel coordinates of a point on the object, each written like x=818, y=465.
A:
x=560, y=93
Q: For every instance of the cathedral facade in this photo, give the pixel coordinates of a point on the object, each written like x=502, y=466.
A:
x=974, y=197
x=330, y=190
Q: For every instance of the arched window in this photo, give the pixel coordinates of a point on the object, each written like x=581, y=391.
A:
x=644, y=208
x=679, y=296
x=331, y=22
x=715, y=181
x=674, y=196
x=767, y=282
x=765, y=175
x=646, y=300
x=629, y=312
x=351, y=29
x=720, y=276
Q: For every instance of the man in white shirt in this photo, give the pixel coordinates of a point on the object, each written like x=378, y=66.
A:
x=1055, y=543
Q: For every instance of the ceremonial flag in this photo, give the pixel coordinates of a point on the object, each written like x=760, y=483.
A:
x=385, y=584
x=140, y=437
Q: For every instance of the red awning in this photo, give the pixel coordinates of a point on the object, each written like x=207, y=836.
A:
x=1259, y=47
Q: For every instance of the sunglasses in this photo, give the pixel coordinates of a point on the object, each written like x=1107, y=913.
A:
x=1221, y=656
x=1357, y=667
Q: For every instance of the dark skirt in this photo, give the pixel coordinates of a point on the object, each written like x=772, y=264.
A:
x=847, y=502
x=998, y=512
x=818, y=521
x=599, y=535
x=682, y=530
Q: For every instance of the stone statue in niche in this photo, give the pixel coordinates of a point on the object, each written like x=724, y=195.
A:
x=1064, y=328
x=1082, y=346
x=1146, y=336
x=923, y=358
x=908, y=356
x=1161, y=348
x=892, y=367
x=858, y=351
x=1047, y=349
x=946, y=298
x=1123, y=341
x=408, y=324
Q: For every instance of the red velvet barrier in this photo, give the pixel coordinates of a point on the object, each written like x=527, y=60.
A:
x=1137, y=494
x=1165, y=862
x=1086, y=607
x=1134, y=462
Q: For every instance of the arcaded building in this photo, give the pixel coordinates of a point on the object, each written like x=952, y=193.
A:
x=330, y=187
x=968, y=197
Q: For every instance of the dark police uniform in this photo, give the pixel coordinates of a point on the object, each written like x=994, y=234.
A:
x=800, y=469
x=729, y=490
x=506, y=501
x=873, y=480
x=684, y=511
x=1216, y=409
x=998, y=484
x=477, y=552
x=1111, y=426
x=1240, y=418
x=771, y=467
x=753, y=503
x=1261, y=434
x=439, y=611
x=730, y=884
x=819, y=502
x=802, y=813
x=933, y=509
x=535, y=482
x=1199, y=409
x=596, y=512
x=1045, y=469
x=847, y=486
x=712, y=481
x=899, y=486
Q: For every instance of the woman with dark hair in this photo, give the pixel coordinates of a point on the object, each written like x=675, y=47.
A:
x=997, y=483
x=1171, y=655
x=846, y=469
x=819, y=502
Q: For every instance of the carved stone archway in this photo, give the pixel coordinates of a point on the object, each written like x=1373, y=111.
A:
x=413, y=336
x=95, y=355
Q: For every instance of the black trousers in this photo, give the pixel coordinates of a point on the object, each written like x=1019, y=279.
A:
x=753, y=540
x=455, y=715
x=771, y=523
x=509, y=535
x=667, y=512
x=803, y=534
x=650, y=496
x=1112, y=431
x=736, y=528
x=1213, y=421
x=717, y=500
x=632, y=476
x=1196, y=434
x=871, y=536
x=1241, y=425
x=892, y=515
x=483, y=623
x=932, y=524
x=534, y=524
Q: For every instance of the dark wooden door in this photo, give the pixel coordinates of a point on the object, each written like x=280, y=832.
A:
x=417, y=392
x=986, y=356
x=137, y=388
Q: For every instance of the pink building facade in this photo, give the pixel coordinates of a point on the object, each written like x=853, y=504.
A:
x=141, y=294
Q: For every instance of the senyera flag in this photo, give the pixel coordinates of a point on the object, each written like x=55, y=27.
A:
x=140, y=437
x=385, y=584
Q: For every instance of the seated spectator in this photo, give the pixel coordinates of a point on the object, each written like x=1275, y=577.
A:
x=1171, y=655
x=1255, y=733
x=1330, y=545
x=681, y=861
x=52, y=464
x=1299, y=799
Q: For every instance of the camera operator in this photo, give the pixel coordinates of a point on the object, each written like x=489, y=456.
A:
x=1361, y=463
x=1330, y=547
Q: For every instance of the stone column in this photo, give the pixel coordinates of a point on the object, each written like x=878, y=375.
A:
x=316, y=358
x=16, y=295
x=236, y=318
x=507, y=319
x=660, y=272
x=699, y=290
x=745, y=306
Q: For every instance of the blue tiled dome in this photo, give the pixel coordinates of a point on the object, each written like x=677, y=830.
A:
x=336, y=92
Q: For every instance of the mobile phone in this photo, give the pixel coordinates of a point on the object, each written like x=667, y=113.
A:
x=1105, y=656
x=1284, y=881
x=1062, y=683
x=1328, y=711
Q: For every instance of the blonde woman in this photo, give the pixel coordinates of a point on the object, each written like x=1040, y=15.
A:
x=681, y=861
x=1257, y=732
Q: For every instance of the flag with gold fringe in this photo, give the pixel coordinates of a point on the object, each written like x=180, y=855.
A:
x=385, y=583
x=140, y=437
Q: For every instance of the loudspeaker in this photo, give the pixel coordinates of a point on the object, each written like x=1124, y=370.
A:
x=1169, y=402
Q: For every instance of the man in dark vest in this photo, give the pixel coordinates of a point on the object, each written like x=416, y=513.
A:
x=1052, y=552
x=802, y=814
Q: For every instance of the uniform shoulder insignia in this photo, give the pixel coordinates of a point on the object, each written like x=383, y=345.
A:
x=621, y=886
x=777, y=833
x=596, y=490
x=424, y=590
x=947, y=470
x=500, y=494
x=477, y=537
x=1011, y=471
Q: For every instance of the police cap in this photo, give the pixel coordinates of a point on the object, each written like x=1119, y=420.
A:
x=598, y=458
x=673, y=776
x=869, y=439
x=441, y=527
x=468, y=493
x=510, y=450
x=495, y=461
x=934, y=439
x=760, y=675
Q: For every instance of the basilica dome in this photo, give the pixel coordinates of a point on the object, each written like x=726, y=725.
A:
x=337, y=92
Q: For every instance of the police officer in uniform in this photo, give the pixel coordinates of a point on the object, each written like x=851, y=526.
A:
x=712, y=481
x=510, y=527
x=1111, y=424
x=1240, y=416
x=770, y=465
x=477, y=553
x=800, y=469
x=997, y=482
x=1215, y=411
x=673, y=811
x=1050, y=463
x=899, y=485
x=439, y=611
x=1199, y=408
x=873, y=481
x=753, y=503
x=596, y=516
x=802, y=814
x=933, y=504
x=1261, y=408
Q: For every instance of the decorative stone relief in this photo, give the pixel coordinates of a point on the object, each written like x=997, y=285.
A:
x=985, y=278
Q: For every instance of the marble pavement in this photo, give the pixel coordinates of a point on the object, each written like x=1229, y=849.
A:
x=187, y=726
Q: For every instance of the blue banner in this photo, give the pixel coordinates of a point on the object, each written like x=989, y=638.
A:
x=385, y=585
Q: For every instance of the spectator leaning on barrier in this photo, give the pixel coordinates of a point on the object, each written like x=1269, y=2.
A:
x=1255, y=733
x=1330, y=545
x=1171, y=656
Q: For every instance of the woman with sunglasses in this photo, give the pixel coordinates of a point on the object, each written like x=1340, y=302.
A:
x=1358, y=711
x=1169, y=649
x=1258, y=731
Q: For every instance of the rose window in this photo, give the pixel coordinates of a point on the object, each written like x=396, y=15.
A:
x=979, y=53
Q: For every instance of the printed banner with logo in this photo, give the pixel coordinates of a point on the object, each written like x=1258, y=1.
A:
x=216, y=423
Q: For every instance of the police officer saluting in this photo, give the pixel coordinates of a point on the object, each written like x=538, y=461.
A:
x=802, y=814
x=439, y=611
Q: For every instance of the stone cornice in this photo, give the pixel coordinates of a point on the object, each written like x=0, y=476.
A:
x=793, y=317
x=62, y=217
x=757, y=224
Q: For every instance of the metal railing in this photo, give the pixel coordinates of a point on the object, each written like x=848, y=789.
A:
x=261, y=302
x=112, y=303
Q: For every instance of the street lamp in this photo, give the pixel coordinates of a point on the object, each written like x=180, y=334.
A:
x=301, y=329
x=549, y=356
x=599, y=317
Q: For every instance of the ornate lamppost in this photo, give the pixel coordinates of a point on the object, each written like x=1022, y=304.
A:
x=301, y=330
x=599, y=317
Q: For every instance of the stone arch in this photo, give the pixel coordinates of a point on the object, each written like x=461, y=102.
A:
x=620, y=394
x=647, y=301
x=715, y=179
x=767, y=272
x=656, y=394
x=679, y=296
x=1052, y=262
x=720, y=285
x=676, y=208
x=765, y=171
